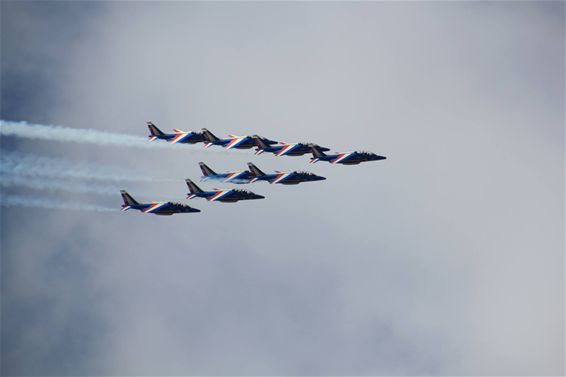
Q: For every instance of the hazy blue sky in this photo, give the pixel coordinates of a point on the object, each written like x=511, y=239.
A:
x=445, y=259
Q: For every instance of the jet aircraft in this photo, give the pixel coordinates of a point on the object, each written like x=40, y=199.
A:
x=350, y=158
x=292, y=178
x=177, y=137
x=157, y=208
x=226, y=196
x=238, y=142
x=283, y=149
x=242, y=176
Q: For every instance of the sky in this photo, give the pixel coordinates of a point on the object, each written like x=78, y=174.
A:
x=445, y=259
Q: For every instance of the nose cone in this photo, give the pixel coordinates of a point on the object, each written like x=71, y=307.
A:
x=259, y=196
x=195, y=210
x=319, y=178
x=377, y=158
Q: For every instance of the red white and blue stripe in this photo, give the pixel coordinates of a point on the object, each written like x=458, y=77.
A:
x=286, y=149
x=236, y=140
x=341, y=157
x=153, y=207
x=218, y=195
x=180, y=137
x=281, y=177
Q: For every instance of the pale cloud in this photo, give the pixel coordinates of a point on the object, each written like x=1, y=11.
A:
x=445, y=259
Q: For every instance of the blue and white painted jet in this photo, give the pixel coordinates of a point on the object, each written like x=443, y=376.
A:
x=283, y=149
x=185, y=137
x=291, y=178
x=349, y=158
x=157, y=208
x=226, y=196
x=239, y=177
x=237, y=142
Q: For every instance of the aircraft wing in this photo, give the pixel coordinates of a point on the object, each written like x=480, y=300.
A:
x=168, y=208
x=219, y=195
x=185, y=137
x=235, y=141
x=341, y=157
x=237, y=177
x=286, y=149
x=280, y=177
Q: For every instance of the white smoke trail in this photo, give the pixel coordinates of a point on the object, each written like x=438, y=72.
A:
x=50, y=184
x=77, y=135
x=22, y=201
x=90, y=136
x=15, y=163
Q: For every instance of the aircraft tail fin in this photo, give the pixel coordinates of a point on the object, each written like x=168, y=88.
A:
x=154, y=131
x=209, y=136
x=128, y=200
x=317, y=153
x=255, y=170
x=261, y=145
x=316, y=150
x=193, y=188
x=206, y=171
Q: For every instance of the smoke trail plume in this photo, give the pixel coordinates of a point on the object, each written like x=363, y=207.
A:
x=77, y=135
x=50, y=184
x=22, y=201
x=91, y=136
x=15, y=163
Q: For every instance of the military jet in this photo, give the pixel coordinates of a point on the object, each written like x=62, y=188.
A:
x=292, y=178
x=157, y=208
x=226, y=196
x=283, y=149
x=350, y=158
x=177, y=137
x=242, y=176
x=238, y=142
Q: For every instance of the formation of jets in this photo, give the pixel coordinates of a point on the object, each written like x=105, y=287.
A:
x=255, y=175
x=251, y=175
